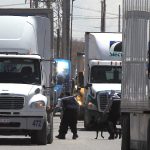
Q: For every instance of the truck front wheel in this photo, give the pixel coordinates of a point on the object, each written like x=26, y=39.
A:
x=42, y=135
x=33, y=137
x=50, y=130
x=125, y=123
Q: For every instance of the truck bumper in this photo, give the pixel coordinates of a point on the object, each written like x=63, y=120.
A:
x=22, y=122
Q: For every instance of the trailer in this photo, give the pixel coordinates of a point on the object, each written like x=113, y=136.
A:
x=135, y=103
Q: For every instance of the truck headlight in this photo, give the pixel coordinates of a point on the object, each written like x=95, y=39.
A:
x=79, y=102
x=38, y=104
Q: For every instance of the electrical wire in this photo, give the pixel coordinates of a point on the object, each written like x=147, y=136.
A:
x=93, y=18
x=98, y=11
x=13, y=4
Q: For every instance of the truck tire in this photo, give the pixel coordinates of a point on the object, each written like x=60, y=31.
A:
x=42, y=135
x=86, y=123
x=50, y=130
x=125, y=123
x=33, y=137
x=148, y=135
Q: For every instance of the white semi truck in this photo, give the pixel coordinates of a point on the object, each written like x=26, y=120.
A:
x=102, y=73
x=26, y=42
x=135, y=103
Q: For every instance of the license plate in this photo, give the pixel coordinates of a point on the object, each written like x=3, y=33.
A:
x=4, y=120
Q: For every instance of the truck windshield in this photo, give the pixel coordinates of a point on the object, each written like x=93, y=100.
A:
x=106, y=74
x=16, y=70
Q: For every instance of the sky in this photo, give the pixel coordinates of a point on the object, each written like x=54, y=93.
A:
x=86, y=15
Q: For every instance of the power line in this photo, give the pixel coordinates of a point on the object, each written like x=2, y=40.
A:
x=87, y=26
x=87, y=9
x=94, y=18
x=13, y=4
x=94, y=10
x=89, y=17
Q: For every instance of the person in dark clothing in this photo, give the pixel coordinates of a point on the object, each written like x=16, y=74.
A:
x=69, y=117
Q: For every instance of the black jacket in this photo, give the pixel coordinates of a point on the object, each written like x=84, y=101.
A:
x=69, y=103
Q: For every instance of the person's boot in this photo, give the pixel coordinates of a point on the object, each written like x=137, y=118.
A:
x=60, y=136
x=75, y=136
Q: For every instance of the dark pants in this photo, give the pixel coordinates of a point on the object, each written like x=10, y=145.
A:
x=69, y=119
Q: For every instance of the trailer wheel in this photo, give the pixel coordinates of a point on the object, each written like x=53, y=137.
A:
x=50, y=130
x=125, y=145
x=42, y=135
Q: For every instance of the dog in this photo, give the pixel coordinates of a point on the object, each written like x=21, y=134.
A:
x=102, y=125
x=99, y=124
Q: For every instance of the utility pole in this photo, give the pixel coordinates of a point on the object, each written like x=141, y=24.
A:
x=58, y=27
x=66, y=29
x=103, y=15
x=71, y=21
x=119, y=20
x=33, y=3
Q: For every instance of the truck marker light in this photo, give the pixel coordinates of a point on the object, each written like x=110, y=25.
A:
x=37, y=91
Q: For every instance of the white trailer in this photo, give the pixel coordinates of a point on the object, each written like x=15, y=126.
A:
x=26, y=42
x=102, y=73
x=135, y=104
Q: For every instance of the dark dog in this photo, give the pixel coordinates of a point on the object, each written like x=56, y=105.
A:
x=102, y=125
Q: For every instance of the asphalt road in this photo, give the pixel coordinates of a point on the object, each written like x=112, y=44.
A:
x=86, y=141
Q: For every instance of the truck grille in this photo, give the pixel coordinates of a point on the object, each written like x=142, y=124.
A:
x=7, y=102
x=103, y=100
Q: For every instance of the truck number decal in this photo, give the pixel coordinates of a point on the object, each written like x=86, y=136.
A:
x=37, y=123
